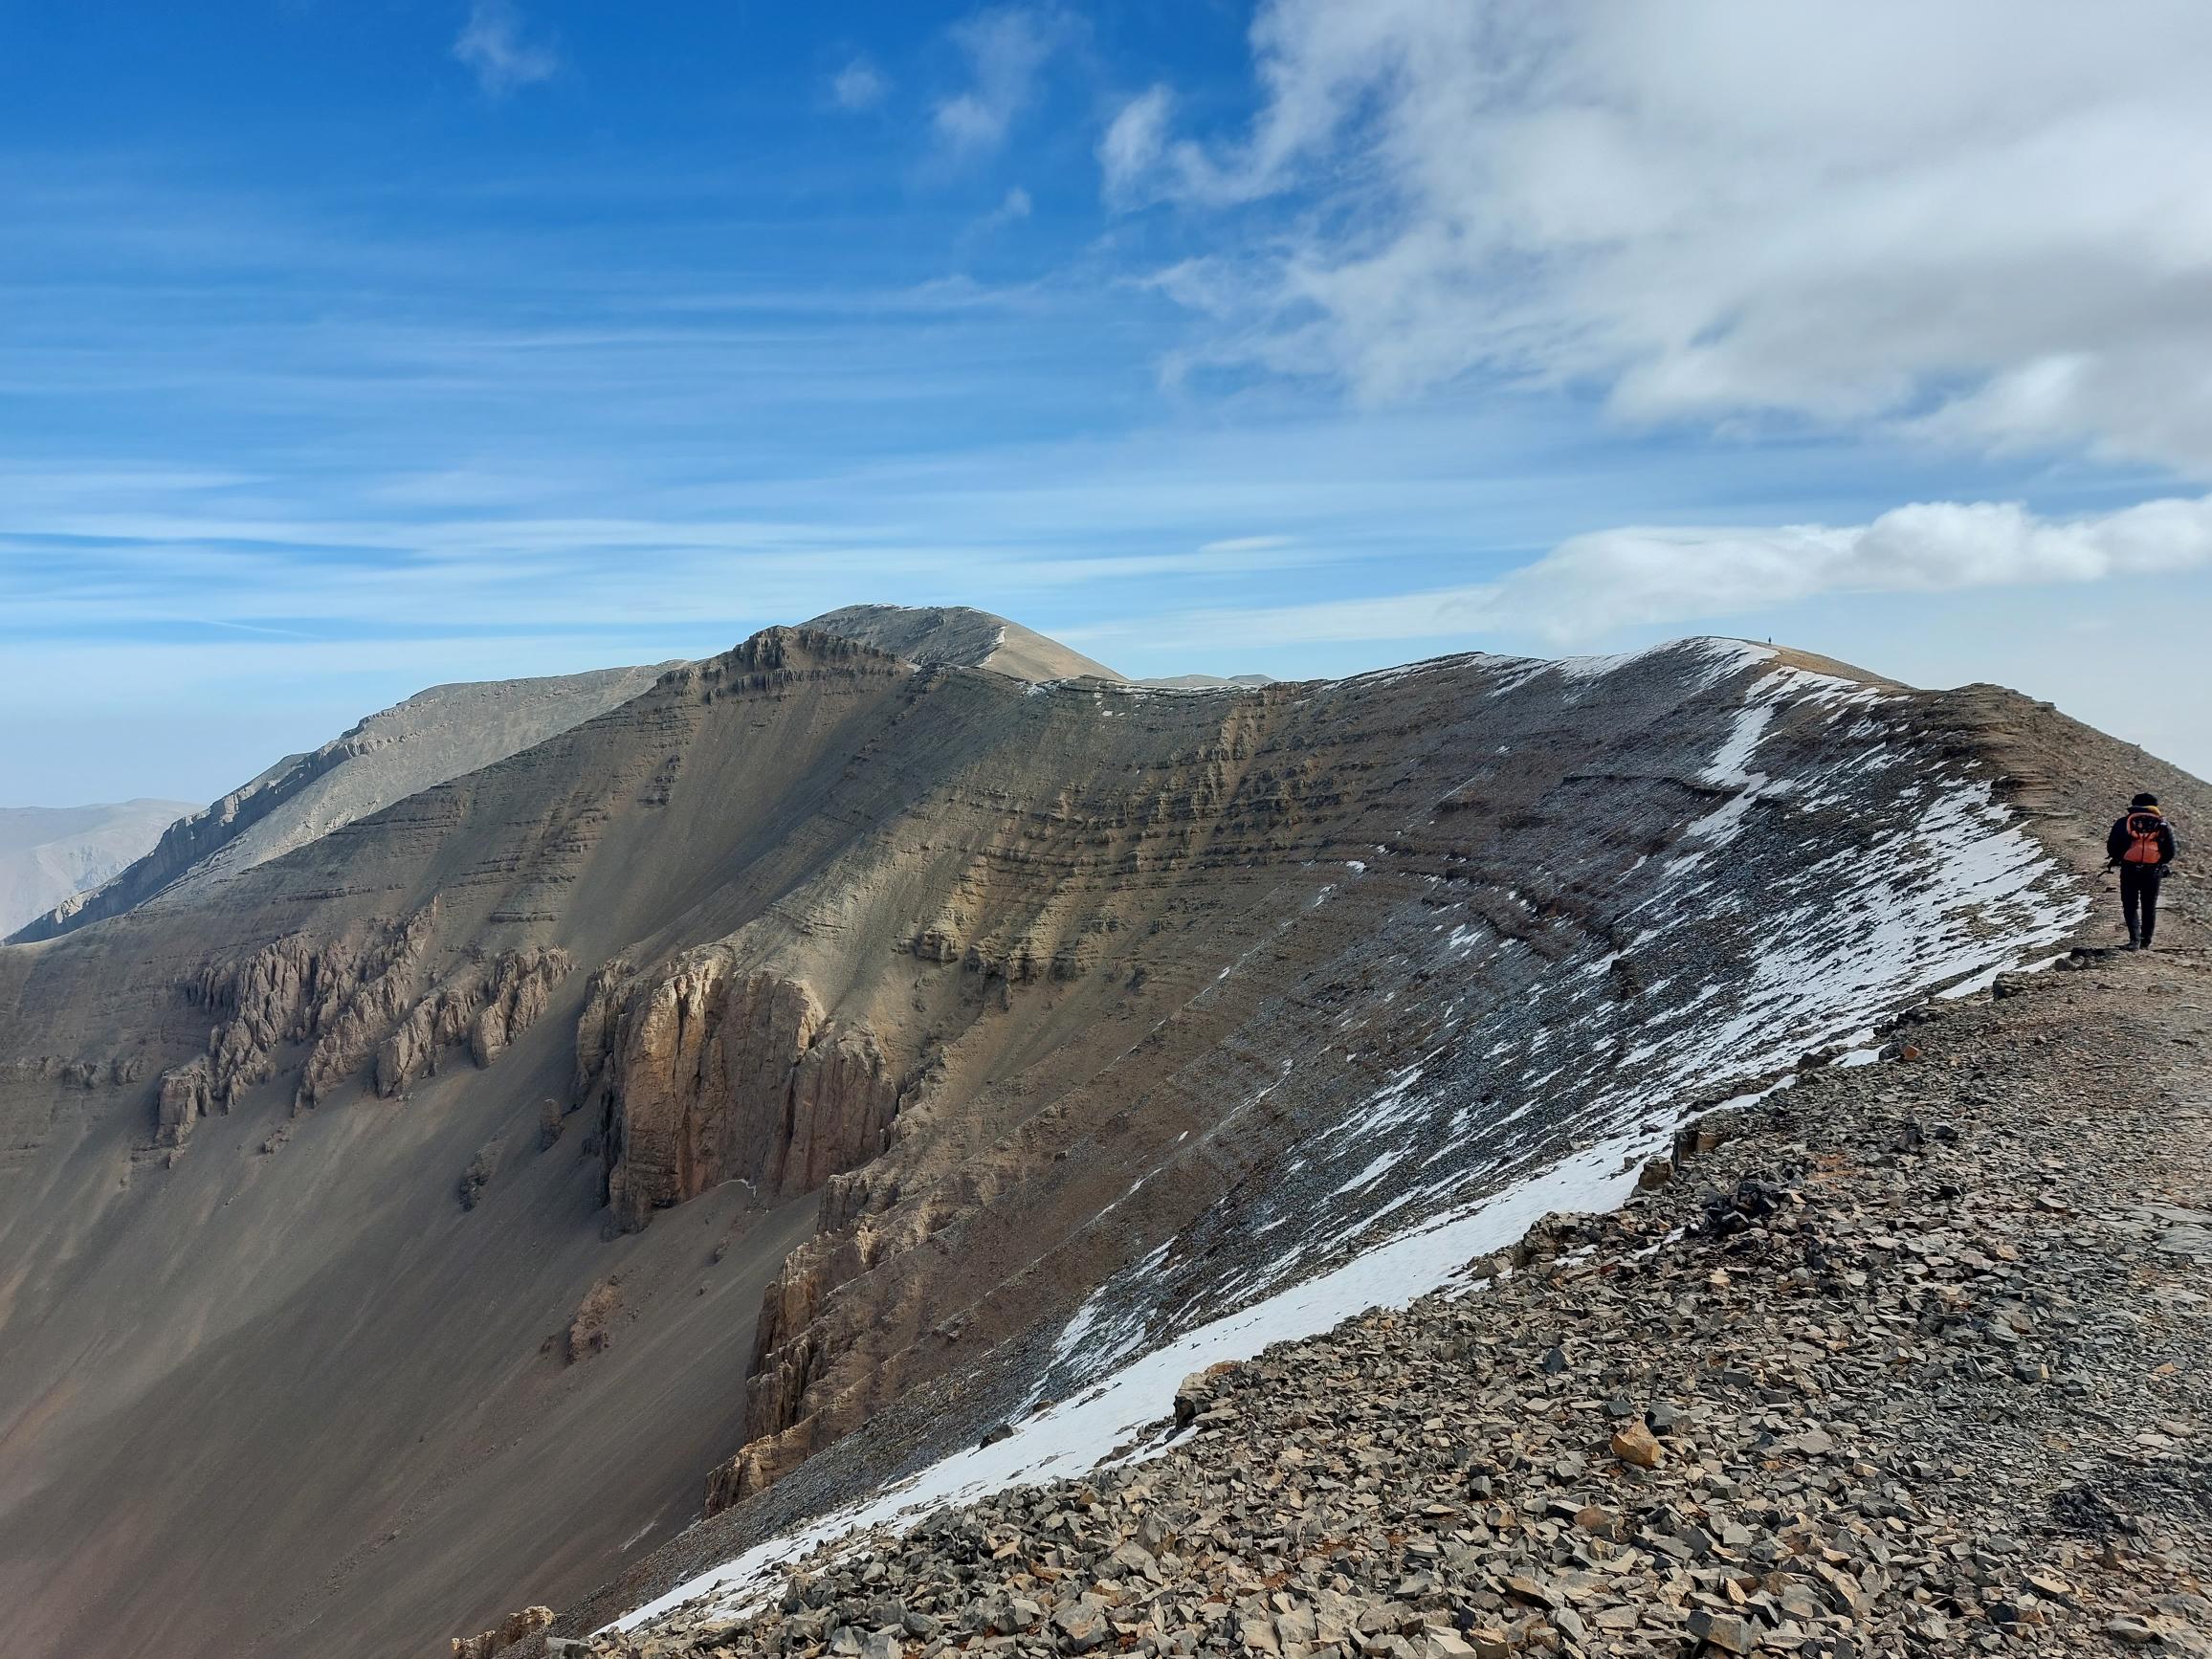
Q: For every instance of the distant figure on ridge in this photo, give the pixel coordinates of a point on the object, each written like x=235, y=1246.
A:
x=2141, y=846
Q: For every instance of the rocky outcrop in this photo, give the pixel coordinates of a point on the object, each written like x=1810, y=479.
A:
x=512, y=1628
x=187, y=1094
x=598, y=1028
x=591, y=1328
x=486, y=1005
x=479, y=1172
x=331, y=993
x=787, y=1361
x=516, y=992
x=755, y=1467
x=857, y=1230
x=711, y=1072
x=296, y=990
x=349, y=999
x=362, y=1013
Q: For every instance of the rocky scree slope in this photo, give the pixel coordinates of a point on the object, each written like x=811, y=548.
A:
x=1908, y=1358
x=836, y=1040
x=432, y=736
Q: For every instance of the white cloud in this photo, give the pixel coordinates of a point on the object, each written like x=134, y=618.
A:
x=1006, y=50
x=1135, y=141
x=1988, y=221
x=1592, y=584
x=1014, y=208
x=860, y=85
x=494, y=44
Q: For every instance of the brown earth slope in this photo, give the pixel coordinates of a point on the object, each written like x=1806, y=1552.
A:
x=829, y=1024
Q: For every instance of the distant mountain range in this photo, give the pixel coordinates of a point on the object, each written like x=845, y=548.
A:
x=432, y=736
x=48, y=853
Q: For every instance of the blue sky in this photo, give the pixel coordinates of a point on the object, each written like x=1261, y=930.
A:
x=349, y=347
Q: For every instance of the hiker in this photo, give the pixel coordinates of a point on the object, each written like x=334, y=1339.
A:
x=2141, y=846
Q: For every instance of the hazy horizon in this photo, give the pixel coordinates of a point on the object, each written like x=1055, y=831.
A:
x=208, y=761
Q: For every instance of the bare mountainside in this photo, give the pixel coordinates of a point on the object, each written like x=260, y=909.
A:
x=49, y=853
x=432, y=736
x=438, y=1217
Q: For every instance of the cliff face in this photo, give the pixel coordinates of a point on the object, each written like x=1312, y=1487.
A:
x=706, y=1073
x=858, y=1019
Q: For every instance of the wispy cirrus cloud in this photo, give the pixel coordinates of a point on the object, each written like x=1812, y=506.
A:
x=1135, y=147
x=858, y=86
x=1006, y=51
x=497, y=48
x=1014, y=208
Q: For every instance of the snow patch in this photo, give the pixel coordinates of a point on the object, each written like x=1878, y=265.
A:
x=1075, y=1435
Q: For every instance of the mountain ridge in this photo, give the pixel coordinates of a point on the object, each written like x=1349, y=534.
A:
x=1776, y=1339
x=861, y=1023
x=436, y=733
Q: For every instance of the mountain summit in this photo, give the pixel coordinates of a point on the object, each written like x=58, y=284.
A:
x=956, y=634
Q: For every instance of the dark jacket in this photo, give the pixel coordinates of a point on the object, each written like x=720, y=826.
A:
x=2118, y=843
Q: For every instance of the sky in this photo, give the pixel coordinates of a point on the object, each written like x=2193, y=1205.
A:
x=350, y=347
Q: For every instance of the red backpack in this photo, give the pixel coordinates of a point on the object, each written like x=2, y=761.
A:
x=2143, y=847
